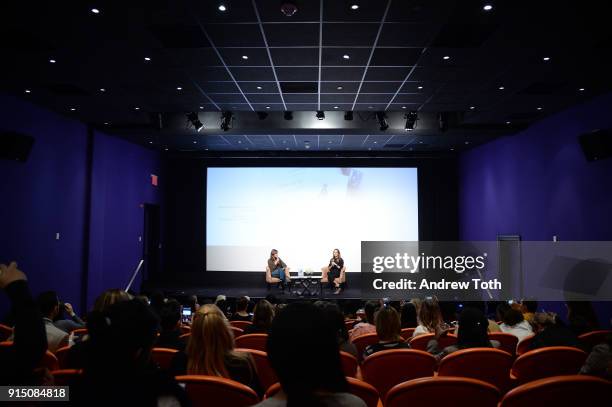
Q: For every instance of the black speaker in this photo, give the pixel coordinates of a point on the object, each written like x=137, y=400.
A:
x=15, y=146
x=597, y=144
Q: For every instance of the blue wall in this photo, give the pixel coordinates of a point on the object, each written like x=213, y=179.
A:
x=538, y=183
x=49, y=194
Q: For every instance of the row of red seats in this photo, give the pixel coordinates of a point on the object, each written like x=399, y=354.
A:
x=558, y=390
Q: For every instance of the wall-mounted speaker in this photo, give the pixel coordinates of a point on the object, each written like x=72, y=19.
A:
x=596, y=145
x=15, y=146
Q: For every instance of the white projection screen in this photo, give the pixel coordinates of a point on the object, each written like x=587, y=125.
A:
x=305, y=213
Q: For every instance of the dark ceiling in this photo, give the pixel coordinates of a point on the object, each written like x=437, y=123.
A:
x=137, y=67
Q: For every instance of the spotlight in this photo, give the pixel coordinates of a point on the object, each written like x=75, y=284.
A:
x=261, y=115
x=195, y=121
x=288, y=115
x=348, y=115
x=226, y=121
x=411, y=119
x=382, y=120
x=320, y=115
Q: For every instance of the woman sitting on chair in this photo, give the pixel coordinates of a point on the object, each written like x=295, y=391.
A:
x=278, y=268
x=334, y=272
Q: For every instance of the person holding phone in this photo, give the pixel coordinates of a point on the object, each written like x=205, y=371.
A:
x=335, y=266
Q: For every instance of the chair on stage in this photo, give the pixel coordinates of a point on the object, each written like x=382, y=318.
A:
x=443, y=391
x=275, y=280
x=572, y=390
x=217, y=391
x=342, y=278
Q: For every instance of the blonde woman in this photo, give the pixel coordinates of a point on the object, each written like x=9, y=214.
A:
x=429, y=318
x=210, y=350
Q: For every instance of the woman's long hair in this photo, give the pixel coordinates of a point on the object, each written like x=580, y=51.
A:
x=430, y=315
x=473, y=329
x=263, y=314
x=272, y=253
x=339, y=255
x=210, y=343
x=301, y=331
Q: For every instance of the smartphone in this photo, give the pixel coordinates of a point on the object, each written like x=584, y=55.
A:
x=186, y=314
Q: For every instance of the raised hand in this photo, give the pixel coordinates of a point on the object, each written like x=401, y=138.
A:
x=10, y=273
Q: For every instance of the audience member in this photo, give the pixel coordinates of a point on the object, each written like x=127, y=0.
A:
x=302, y=332
x=550, y=331
x=408, y=315
x=68, y=325
x=263, y=314
x=367, y=326
x=19, y=361
x=514, y=323
x=529, y=308
x=388, y=330
x=170, y=326
x=472, y=333
x=430, y=318
x=599, y=361
x=110, y=297
x=210, y=351
x=157, y=301
x=581, y=317
x=118, y=369
x=49, y=306
x=192, y=302
x=241, y=313
x=336, y=319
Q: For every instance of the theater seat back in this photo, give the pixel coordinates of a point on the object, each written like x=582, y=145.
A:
x=443, y=391
x=486, y=364
x=217, y=391
x=547, y=362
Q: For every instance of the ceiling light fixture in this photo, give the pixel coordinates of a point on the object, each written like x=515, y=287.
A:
x=222, y=7
x=472, y=107
x=581, y=89
x=259, y=88
x=288, y=8
x=411, y=119
x=245, y=57
x=419, y=87
x=508, y=122
x=354, y=6
x=226, y=120
x=72, y=109
x=335, y=107
x=201, y=107
x=539, y=108
x=102, y=90
x=179, y=88
x=339, y=87
x=28, y=91
x=95, y=11
x=136, y=108
x=195, y=121
x=320, y=115
x=546, y=59
x=501, y=88
x=346, y=56
x=381, y=117
x=403, y=107
x=446, y=57
x=348, y=115
x=487, y=7
x=147, y=59
x=52, y=61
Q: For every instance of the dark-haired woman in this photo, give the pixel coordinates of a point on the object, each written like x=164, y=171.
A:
x=334, y=271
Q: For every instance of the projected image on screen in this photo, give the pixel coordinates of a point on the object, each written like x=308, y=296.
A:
x=305, y=213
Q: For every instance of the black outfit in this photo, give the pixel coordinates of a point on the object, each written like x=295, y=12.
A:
x=30, y=338
x=240, y=369
x=377, y=347
x=238, y=317
x=555, y=335
x=172, y=340
x=334, y=271
x=254, y=329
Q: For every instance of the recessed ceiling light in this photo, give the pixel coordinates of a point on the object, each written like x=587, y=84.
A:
x=452, y=149
x=267, y=107
x=467, y=142
x=335, y=107
x=501, y=88
x=487, y=7
x=354, y=6
x=329, y=142
x=370, y=107
x=508, y=122
x=222, y=7
x=195, y=142
x=369, y=148
x=403, y=107
x=346, y=56
x=166, y=148
x=539, y=108
x=28, y=91
x=286, y=148
x=52, y=61
x=179, y=88
x=546, y=58
x=206, y=149
x=581, y=89
x=147, y=59
x=419, y=87
x=375, y=142
x=245, y=57
x=472, y=107
x=307, y=146
x=136, y=108
x=445, y=57
x=239, y=141
x=339, y=87
x=329, y=148
x=201, y=107
x=102, y=90
x=150, y=142
x=95, y=11
x=72, y=109
x=106, y=123
x=259, y=88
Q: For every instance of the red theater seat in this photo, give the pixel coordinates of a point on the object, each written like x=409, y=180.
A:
x=163, y=357
x=420, y=342
x=217, y=391
x=185, y=329
x=236, y=331
x=252, y=341
x=575, y=390
x=548, y=362
x=387, y=368
x=62, y=356
x=267, y=376
x=508, y=342
x=65, y=377
x=443, y=391
x=524, y=345
x=349, y=364
x=241, y=324
x=486, y=364
x=593, y=338
x=5, y=332
x=407, y=333
x=362, y=341
x=359, y=388
x=48, y=361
